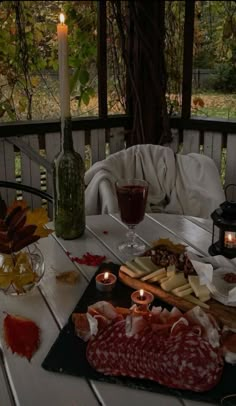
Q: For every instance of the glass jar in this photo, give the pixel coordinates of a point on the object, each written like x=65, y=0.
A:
x=68, y=182
x=22, y=271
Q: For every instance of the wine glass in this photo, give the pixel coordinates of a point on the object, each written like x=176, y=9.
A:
x=132, y=198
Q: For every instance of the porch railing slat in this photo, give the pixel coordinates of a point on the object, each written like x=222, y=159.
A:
x=7, y=169
x=174, y=145
x=52, y=147
x=219, y=144
x=3, y=192
x=230, y=172
x=117, y=139
x=31, y=172
x=98, y=145
x=213, y=147
x=79, y=142
x=191, y=141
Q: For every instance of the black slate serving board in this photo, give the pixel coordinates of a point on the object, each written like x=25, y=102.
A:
x=67, y=354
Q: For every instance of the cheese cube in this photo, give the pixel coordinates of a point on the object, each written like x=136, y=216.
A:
x=183, y=287
x=182, y=293
x=157, y=278
x=199, y=290
x=171, y=270
x=145, y=263
x=174, y=282
x=164, y=279
x=134, y=267
x=204, y=298
x=196, y=301
x=151, y=275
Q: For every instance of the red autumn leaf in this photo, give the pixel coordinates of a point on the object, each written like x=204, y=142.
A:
x=90, y=259
x=87, y=259
x=21, y=335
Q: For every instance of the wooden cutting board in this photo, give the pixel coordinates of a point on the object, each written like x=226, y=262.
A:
x=224, y=314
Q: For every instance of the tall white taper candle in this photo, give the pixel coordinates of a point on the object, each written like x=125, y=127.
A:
x=62, y=33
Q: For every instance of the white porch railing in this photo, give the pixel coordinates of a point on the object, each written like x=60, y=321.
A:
x=29, y=157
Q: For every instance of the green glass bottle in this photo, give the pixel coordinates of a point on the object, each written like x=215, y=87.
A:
x=68, y=182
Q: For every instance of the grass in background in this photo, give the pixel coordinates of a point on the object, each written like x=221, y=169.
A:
x=216, y=105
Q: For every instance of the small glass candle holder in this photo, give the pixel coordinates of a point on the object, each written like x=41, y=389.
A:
x=105, y=281
x=142, y=298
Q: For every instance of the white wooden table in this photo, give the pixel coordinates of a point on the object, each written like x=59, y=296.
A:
x=27, y=383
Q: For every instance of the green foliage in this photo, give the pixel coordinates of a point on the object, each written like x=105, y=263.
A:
x=82, y=22
x=28, y=49
x=215, y=33
x=174, y=22
x=225, y=78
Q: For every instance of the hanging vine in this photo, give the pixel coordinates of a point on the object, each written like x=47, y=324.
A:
x=22, y=55
x=145, y=64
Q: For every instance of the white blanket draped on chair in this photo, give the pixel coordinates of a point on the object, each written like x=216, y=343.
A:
x=182, y=184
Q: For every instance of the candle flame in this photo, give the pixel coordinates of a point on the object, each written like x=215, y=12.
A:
x=230, y=237
x=106, y=276
x=141, y=293
x=62, y=18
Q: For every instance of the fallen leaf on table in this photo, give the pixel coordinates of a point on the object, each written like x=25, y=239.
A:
x=21, y=335
x=87, y=259
x=70, y=277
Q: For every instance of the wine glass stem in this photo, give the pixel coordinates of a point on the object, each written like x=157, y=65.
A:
x=131, y=236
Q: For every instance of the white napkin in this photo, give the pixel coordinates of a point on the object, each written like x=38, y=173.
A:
x=232, y=295
x=211, y=271
x=204, y=271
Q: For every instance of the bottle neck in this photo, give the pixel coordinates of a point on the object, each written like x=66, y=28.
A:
x=66, y=134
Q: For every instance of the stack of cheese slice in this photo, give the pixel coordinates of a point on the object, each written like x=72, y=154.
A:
x=169, y=279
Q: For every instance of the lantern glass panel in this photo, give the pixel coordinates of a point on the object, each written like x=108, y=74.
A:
x=230, y=239
x=215, y=234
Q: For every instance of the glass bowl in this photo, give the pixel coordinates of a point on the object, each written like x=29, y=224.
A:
x=22, y=271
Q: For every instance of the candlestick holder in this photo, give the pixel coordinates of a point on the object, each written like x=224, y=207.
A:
x=105, y=281
x=142, y=299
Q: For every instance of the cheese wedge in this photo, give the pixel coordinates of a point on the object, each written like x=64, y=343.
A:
x=204, y=298
x=171, y=270
x=199, y=290
x=166, y=278
x=157, y=278
x=128, y=271
x=134, y=267
x=145, y=263
x=174, y=282
x=196, y=301
x=182, y=293
x=183, y=287
x=151, y=275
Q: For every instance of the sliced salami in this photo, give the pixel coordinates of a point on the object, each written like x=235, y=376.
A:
x=187, y=361
x=184, y=360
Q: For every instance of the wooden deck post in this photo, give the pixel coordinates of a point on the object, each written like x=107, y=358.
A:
x=188, y=58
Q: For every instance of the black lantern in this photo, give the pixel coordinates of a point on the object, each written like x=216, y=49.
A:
x=225, y=219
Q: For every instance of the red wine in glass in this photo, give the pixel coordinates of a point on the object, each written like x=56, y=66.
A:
x=132, y=198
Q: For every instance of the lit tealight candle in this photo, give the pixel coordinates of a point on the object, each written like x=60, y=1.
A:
x=142, y=298
x=230, y=241
x=141, y=294
x=106, y=277
x=105, y=281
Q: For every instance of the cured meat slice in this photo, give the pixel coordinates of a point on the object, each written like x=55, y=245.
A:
x=184, y=360
x=176, y=350
x=187, y=361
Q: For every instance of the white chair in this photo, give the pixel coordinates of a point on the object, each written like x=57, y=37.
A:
x=181, y=184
